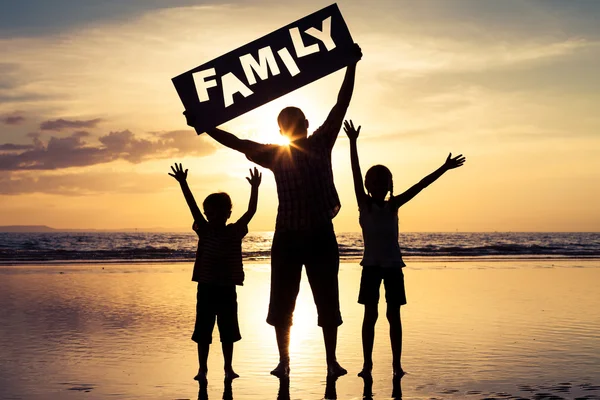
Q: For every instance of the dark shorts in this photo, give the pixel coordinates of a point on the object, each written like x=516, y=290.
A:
x=370, y=282
x=220, y=303
x=317, y=250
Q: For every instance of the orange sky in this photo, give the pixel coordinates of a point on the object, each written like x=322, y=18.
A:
x=512, y=85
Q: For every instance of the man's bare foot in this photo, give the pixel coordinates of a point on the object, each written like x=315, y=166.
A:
x=201, y=377
x=230, y=375
x=282, y=370
x=335, y=370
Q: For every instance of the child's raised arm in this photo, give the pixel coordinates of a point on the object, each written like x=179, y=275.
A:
x=254, y=180
x=450, y=163
x=359, y=189
x=181, y=176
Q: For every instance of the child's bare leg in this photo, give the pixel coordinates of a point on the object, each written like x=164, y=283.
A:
x=228, y=357
x=202, y=362
x=368, y=337
x=393, y=316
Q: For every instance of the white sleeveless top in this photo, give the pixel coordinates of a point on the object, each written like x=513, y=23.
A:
x=380, y=234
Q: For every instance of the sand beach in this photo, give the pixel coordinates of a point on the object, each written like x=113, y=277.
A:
x=472, y=330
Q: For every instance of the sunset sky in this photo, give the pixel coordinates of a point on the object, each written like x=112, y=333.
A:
x=90, y=121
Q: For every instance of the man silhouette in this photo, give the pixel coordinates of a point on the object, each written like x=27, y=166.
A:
x=304, y=235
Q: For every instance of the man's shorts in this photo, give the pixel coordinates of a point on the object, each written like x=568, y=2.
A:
x=317, y=250
x=220, y=303
x=370, y=282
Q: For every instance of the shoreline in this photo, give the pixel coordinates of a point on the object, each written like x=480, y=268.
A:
x=349, y=260
x=412, y=263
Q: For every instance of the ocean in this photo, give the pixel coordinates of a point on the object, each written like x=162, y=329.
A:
x=111, y=247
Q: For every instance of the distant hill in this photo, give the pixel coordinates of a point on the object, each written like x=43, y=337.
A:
x=44, y=228
x=26, y=228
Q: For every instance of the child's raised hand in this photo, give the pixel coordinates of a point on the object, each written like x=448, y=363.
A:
x=179, y=173
x=455, y=162
x=350, y=130
x=255, y=178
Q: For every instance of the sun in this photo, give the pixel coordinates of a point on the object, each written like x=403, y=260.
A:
x=282, y=140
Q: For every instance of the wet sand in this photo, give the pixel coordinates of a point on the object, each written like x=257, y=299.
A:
x=475, y=330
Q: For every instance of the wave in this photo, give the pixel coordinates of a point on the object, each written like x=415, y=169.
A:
x=169, y=247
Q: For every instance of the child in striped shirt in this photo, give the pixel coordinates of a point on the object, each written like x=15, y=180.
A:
x=218, y=269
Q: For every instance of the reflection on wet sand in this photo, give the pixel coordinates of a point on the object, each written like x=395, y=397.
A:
x=330, y=388
x=368, y=387
x=123, y=332
x=227, y=390
x=284, y=389
x=397, y=388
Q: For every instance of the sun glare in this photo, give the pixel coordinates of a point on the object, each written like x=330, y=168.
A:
x=283, y=140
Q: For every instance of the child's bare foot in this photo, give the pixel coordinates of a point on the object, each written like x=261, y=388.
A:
x=366, y=370
x=201, y=377
x=365, y=373
x=282, y=370
x=230, y=375
x=399, y=373
x=335, y=370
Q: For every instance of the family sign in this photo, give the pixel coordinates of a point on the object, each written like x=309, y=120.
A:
x=267, y=68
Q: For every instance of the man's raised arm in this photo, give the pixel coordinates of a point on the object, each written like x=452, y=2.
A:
x=336, y=115
x=248, y=147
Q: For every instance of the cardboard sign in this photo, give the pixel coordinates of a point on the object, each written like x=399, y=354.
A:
x=267, y=68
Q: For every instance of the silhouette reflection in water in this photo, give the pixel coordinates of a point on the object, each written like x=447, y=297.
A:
x=227, y=391
x=203, y=392
x=368, y=387
x=284, y=389
x=397, y=387
x=330, y=388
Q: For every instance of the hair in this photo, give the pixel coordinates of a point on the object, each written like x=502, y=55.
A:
x=376, y=170
x=218, y=201
x=291, y=119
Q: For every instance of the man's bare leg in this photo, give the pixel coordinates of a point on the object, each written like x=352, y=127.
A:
x=334, y=369
x=283, y=344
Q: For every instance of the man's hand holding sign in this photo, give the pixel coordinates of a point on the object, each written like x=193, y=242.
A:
x=255, y=74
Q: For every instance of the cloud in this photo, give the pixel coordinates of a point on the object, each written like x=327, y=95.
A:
x=8, y=75
x=78, y=184
x=61, y=124
x=13, y=119
x=13, y=147
x=73, y=151
x=96, y=182
x=15, y=81
x=425, y=57
x=42, y=17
